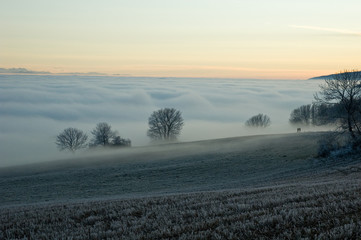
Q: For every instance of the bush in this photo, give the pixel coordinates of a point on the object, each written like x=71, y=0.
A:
x=334, y=144
x=325, y=147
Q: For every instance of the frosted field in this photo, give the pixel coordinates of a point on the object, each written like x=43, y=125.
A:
x=176, y=168
x=328, y=209
x=325, y=205
x=34, y=109
x=255, y=187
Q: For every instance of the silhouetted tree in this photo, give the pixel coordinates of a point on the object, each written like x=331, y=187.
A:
x=121, y=142
x=71, y=139
x=314, y=114
x=260, y=120
x=344, y=89
x=102, y=134
x=165, y=124
x=325, y=113
x=301, y=115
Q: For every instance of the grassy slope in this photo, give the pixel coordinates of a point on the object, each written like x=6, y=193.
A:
x=186, y=167
x=274, y=190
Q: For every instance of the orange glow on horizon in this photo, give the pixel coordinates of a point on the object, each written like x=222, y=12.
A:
x=185, y=72
x=207, y=39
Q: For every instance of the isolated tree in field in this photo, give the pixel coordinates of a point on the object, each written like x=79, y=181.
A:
x=344, y=89
x=260, y=120
x=71, y=139
x=102, y=134
x=165, y=124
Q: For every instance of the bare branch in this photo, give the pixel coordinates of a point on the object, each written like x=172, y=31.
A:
x=102, y=134
x=260, y=120
x=71, y=139
x=165, y=124
x=344, y=89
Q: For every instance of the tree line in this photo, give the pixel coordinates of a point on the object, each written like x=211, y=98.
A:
x=338, y=102
x=73, y=139
x=164, y=125
x=315, y=114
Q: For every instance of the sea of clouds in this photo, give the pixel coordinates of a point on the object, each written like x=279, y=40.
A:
x=34, y=109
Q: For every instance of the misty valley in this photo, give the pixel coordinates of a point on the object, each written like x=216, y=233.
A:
x=88, y=157
x=189, y=120
x=35, y=109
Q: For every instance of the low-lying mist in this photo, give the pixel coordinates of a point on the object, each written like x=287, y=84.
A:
x=34, y=109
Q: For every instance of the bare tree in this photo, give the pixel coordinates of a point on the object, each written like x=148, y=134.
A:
x=344, y=89
x=102, y=134
x=301, y=115
x=260, y=120
x=316, y=114
x=71, y=139
x=121, y=142
x=165, y=124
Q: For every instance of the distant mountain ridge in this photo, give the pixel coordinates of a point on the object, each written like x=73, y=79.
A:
x=21, y=71
x=27, y=71
x=328, y=76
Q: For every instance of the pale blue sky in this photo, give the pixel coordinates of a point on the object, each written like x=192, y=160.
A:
x=199, y=38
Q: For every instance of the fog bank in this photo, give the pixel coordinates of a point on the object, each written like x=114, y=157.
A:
x=34, y=109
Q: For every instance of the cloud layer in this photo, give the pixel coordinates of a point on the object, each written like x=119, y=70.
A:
x=334, y=30
x=34, y=109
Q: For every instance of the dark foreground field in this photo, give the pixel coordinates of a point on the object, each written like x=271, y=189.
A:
x=321, y=209
x=259, y=187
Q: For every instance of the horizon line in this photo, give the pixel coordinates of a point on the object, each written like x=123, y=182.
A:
x=25, y=71
x=144, y=76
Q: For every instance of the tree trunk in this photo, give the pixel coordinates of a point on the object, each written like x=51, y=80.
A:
x=349, y=123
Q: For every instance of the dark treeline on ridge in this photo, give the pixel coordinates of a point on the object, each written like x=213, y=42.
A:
x=331, y=76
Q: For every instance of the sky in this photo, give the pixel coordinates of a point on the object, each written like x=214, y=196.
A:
x=259, y=39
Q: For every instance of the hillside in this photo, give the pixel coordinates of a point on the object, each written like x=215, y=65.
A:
x=166, y=169
x=257, y=187
x=328, y=76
